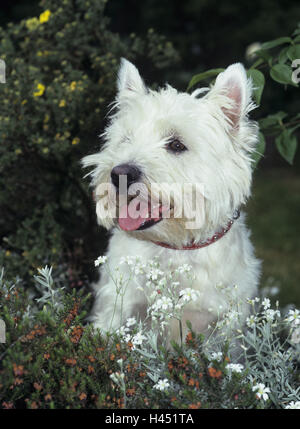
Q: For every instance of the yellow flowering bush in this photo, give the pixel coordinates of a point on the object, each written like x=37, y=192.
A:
x=61, y=77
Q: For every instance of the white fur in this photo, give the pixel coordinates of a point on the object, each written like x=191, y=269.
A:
x=220, y=140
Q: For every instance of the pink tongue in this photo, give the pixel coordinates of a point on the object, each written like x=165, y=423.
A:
x=128, y=223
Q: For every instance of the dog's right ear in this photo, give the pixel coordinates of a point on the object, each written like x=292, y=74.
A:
x=129, y=80
x=233, y=83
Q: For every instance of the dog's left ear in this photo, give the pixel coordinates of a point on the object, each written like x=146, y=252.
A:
x=129, y=80
x=233, y=83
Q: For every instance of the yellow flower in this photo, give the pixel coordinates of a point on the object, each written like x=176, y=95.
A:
x=40, y=90
x=32, y=24
x=7, y=253
x=62, y=103
x=76, y=140
x=46, y=118
x=73, y=86
x=44, y=17
x=18, y=151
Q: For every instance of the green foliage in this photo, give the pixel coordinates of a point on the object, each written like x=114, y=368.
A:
x=60, y=77
x=273, y=59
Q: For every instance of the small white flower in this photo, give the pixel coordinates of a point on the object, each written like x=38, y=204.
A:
x=217, y=356
x=294, y=317
x=178, y=306
x=127, y=338
x=233, y=316
x=162, y=303
x=101, y=260
x=139, y=269
x=251, y=320
x=138, y=338
x=189, y=294
x=129, y=260
x=293, y=405
x=122, y=331
x=185, y=268
x=154, y=274
x=117, y=377
x=271, y=314
x=261, y=391
x=252, y=50
x=166, y=302
x=131, y=321
x=235, y=367
x=162, y=385
x=266, y=303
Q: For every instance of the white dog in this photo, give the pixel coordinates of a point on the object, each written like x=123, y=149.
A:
x=162, y=140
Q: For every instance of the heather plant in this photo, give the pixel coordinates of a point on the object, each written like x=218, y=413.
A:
x=53, y=359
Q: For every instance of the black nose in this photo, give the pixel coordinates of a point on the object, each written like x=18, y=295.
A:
x=132, y=172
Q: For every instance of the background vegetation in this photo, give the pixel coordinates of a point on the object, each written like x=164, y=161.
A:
x=47, y=211
x=61, y=63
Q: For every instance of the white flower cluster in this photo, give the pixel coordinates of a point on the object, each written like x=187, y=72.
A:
x=293, y=405
x=100, y=260
x=124, y=331
x=267, y=365
x=235, y=367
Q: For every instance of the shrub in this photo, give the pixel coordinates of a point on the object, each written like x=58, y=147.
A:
x=60, y=77
x=52, y=359
x=276, y=60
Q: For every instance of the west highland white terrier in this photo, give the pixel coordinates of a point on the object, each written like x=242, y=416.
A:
x=169, y=182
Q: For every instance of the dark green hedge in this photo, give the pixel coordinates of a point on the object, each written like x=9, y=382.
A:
x=60, y=77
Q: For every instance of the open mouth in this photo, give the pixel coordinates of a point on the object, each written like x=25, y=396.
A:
x=139, y=215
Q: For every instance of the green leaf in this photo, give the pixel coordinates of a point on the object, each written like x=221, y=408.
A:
x=282, y=73
x=297, y=31
x=272, y=120
x=286, y=144
x=260, y=149
x=277, y=42
x=265, y=55
x=202, y=76
x=282, y=57
x=258, y=80
x=293, y=52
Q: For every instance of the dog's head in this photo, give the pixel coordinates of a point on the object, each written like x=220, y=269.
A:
x=169, y=156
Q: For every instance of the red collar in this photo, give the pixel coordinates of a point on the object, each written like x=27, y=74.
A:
x=207, y=242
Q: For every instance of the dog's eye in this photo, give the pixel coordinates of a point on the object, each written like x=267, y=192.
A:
x=176, y=146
